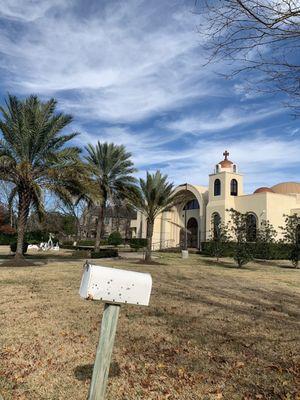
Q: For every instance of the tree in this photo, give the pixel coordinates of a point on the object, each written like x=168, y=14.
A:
x=154, y=196
x=257, y=35
x=111, y=169
x=291, y=235
x=34, y=156
x=72, y=214
x=220, y=238
x=266, y=235
x=238, y=228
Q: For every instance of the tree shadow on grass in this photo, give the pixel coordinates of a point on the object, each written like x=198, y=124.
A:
x=14, y=263
x=84, y=372
x=224, y=264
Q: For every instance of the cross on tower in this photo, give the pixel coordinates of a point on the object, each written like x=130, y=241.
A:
x=226, y=154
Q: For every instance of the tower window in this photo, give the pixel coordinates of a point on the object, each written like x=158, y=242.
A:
x=234, y=187
x=217, y=187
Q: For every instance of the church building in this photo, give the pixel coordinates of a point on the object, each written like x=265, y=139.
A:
x=205, y=207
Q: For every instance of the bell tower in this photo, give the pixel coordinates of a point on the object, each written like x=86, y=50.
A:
x=225, y=185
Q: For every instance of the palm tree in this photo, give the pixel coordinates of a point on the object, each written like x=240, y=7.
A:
x=34, y=158
x=111, y=168
x=154, y=196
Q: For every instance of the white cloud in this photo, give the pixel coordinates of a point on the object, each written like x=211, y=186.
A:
x=227, y=118
x=124, y=63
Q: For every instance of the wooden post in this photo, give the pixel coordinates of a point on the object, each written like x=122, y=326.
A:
x=104, y=351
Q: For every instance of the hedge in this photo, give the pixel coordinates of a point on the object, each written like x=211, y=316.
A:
x=105, y=253
x=6, y=239
x=138, y=243
x=269, y=251
x=34, y=237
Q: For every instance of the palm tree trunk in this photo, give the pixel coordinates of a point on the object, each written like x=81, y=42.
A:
x=23, y=212
x=100, y=226
x=148, y=257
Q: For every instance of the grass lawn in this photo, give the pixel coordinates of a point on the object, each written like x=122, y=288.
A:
x=210, y=332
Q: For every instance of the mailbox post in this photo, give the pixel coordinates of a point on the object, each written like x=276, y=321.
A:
x=113, y=287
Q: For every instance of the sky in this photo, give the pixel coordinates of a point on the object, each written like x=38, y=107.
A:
x=135, y=73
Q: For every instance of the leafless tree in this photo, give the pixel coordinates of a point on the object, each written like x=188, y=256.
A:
x=256, y=35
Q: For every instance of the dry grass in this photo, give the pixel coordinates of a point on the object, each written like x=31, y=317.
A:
x=211, y=332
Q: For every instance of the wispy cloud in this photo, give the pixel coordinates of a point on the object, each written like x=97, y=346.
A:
x=227, y=118
x=119, y=69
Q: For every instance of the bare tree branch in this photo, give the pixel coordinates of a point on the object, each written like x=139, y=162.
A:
x=256, y=36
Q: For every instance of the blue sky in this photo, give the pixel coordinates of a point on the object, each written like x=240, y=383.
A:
x=134, y=72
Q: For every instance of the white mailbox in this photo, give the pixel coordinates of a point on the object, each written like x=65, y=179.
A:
x=113, y=285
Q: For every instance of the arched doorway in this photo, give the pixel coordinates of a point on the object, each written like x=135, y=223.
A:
x=192, y=236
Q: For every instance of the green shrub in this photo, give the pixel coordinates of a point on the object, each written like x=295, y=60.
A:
x=36, y=237
x=243, y=253
x=115, y=239
x=105, y=253
x=13, y=247
x=138, y=243
x=87, y=242
x=6, y=239
x=275, y=251
x=81, y=254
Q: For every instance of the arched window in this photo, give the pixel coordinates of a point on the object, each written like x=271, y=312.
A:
x=234, y=187
x=251, y=227
x=217, y=187
x=216, y=222
x=192, y=205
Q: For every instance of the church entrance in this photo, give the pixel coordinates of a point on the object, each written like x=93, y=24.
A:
x=192, y=236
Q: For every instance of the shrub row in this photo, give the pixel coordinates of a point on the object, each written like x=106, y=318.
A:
x=6, y=239
x=34, y=237
x=269, y=251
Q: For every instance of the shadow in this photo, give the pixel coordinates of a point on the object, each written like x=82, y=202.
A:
x=85, y=372
x=23, y=263
x=224, y=264
x=275, y=264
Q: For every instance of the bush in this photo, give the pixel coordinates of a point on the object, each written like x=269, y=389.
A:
x=7, y=239
x=275, y=251
x=115, y=239
x=243, y=253
x=81, y=254
x=138, y=243
x=87, y=242
x=105, y=253
x=13, y=247
x=36, y=237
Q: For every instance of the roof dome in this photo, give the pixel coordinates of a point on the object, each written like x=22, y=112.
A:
x=287, y=188
x=263, y=189
x=226, y=163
